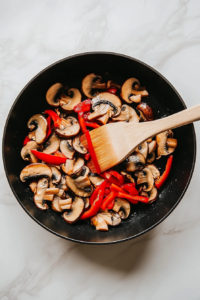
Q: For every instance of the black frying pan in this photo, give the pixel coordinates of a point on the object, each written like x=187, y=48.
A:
x=164, y=100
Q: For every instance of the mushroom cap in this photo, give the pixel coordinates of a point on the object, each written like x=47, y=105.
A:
x=99, y=223
x=145, y=177
x=111, y=218
x=151, y=157
x=69, y=127
x=56, y=175
x=155, y=171
x=73, y=166
x=95, y=179
x=78, y=146
x=53, y=94
x=86, y=202
x=52, y=145
x=162, y=148
x=152, y=146
x=34, y=171
x=146, y=110
x=39, y=195
x=81, y=178
x=39, y=123
x=26, y=154
x=106, y=98
x=130, y=91
x=67, y=148
x=122, y=207
x=143, y=149
x=153, y=195
x=127, y=114
x=33, y=186
x=77, y=209
x=128, y=177
x=135, y=162
x=91, y=84
x=71, y=183
x=68, y=102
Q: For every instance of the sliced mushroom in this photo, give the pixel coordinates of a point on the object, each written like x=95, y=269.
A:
x=68, y=102
x=152, y=147
x=86, y=202
x=122, y=207
x=145, y=178
x=39, y=123
x=112, y=84
x=152, y=195
x=147, y=112
x=65, y=203
x=77, y=209
x=39, y=195
x=151, y=157
x=99, y=223
x=95, y=179
x=128, y=177
x=53, y=94
x=67, y=149
x=143, y=149
x=26, y=154
x=78, y=146
x=132, y=92
x=52, y=191
x=155, y=171
x=71, y=183
x=48, y=197
x=81, y=179
x=111, y=218
x=162, y=145
x=62, y=185
x=72, y=166
x=56, y=175
x=35, y=171
x=135, y=162
x=55, y=204
x=91, y=84
x=52, y=145
x=69, y=127
x=127, y=114
x=33, y=186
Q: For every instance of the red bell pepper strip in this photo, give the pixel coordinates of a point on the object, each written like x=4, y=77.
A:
x=86, y=115
x=107, y=191
x=58, y=153
x=108, y=184
x=110, y=206
x=119, y=177
x=165, y=174
x=109, y=198
x=105, y=175
x=116, y=188
x=94, y=194
x=130, y=188
x=26, y=140
x=84, y=106
x=131, y=198
x=92, y=124
x=56, y=119
x=48, y=158
x=92, y=152
x=87, y=156
x=112, y=90
x=96, y=205
x=82, y=123
x=49, y=131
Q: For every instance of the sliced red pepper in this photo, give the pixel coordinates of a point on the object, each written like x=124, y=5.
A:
x=92, y=152
x=110, y=206
x=109, y=198
x=82, y=123
x=26, y=140
x=108, y=184
x=112, y=90
x=116, y=188
x=119, y=177
x=49, y=131
x=133, y=199
x=94, y=194
x=60, y=154
x=56, y=119
x=130, y=188
x=96, y=205
x=84, y=106
x=48, y=158
x=86, y=115
x=87, y=156
x=107, y=191
x=92, y=124
x=105, y=175
x=165, y=174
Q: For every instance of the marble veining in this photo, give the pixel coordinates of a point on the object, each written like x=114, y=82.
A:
x=162, y=264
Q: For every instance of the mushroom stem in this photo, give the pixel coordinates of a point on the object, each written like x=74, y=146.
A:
x=52, y=191
x=48, y=197
x=171, y=143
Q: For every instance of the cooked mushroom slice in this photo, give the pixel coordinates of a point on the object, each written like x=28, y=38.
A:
x=145, y=178
x=128, y=114
x=53, y=94
x=78, y=146
x=112, y=84
x=55, y=204
x=77, y=209
x=67, y=149
x=99, y=223
x=39, y=123
x=122, y=207
x=62, y=185
x=26, y=154
x=132, y=92
x=151, y=157
x=135, y=162
x=86, y=202
x=155, y=171
x=111, y=218
x=71, y=183
x=56, y=175
x=65, y=203
x=128, y=177
x=147, y=112
x=52, y=145
x=68, y=128
x=91, y=84
x=143, y=149
x=81, y=178
x=33, y=186
x=39, y=195
x=52, y=191
x=68, y=102
x=152, y=147
x=95, y=179
x=35, y=171
x=68, y=167
x=48, y=197
x=163, y=147
x=153, y=195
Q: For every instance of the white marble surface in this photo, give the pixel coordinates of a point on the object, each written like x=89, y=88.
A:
x=162, y=264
